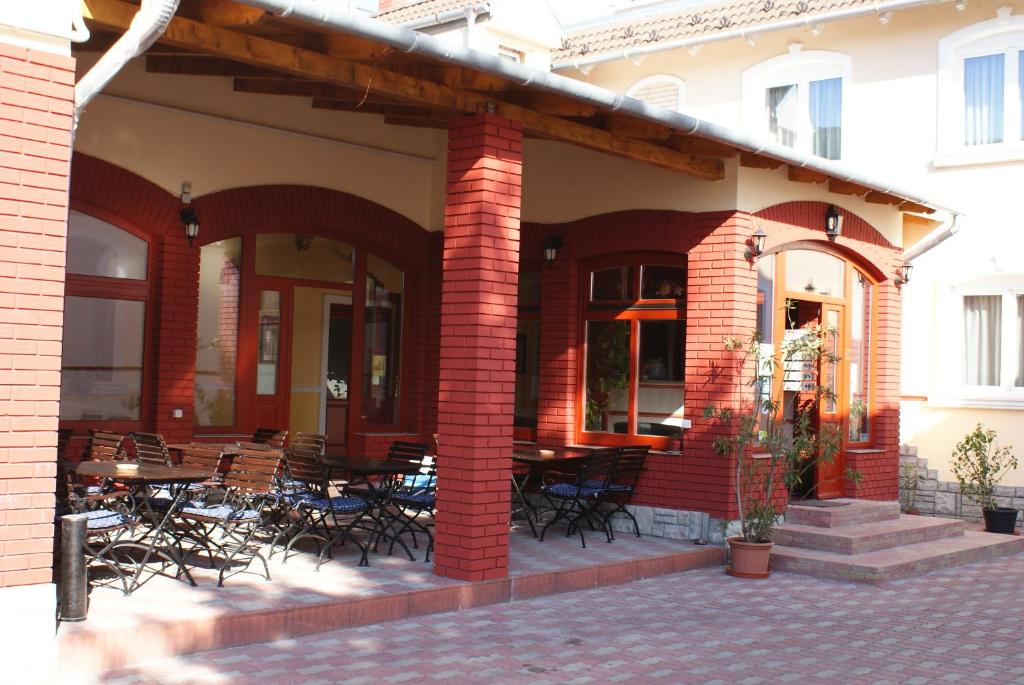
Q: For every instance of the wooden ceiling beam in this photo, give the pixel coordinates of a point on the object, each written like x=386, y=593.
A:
x=226, y=13
x=846, y=188
x=637, y=128
x=701, y=146
x=909, y=206
x=804, y=175
x=201, y=65
x=752, y=161
x=309, y=89
x=342, y=46
x=879, y=198
x=261, y=52
x=556, y=105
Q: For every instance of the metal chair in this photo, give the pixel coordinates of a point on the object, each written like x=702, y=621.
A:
x=416, y=497
x=626, y=470
x=577, y=498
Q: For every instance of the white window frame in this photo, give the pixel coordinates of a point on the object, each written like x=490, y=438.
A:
x=1004, y=34
x=950, y=328
x=653, y=79
x=796, y=68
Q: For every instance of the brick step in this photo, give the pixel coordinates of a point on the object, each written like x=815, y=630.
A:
x=844, y=512
x=868, y=537
x=901, y=562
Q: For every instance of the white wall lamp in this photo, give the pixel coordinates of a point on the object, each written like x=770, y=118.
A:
x=833, y=223
x=903, y=273
x=551, y=248
x=756, y=247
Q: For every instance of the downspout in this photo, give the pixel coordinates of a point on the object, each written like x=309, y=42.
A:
x=149, y=24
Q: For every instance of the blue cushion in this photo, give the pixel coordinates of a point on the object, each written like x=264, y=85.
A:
x=425, y=500
x=340, y=504
x=93, y=489
x=421, y=481
x=224, y=512
x=102, y=519
x=571, y=491
x=613, y=487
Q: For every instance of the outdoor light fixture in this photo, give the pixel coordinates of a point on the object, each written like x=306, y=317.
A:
x=303, y=241
x=833, y=223
x=551, y=248
x=756, y=244
x=191, y=221
x=903, y=273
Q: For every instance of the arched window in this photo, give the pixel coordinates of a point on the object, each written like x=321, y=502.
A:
x=105, y=308
x=797, y=100
x=981, y=92
x=661, y=90
x=633, y=336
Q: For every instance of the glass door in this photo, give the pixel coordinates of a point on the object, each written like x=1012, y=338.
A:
x=270, y=319
x=832, y=410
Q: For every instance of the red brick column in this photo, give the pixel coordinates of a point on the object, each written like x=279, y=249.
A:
x=478, y=336
x=559, y=325
x=36, y=95
x=721, y=301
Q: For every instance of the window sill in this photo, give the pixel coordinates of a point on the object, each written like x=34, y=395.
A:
x=998, y=402
x=996, y=154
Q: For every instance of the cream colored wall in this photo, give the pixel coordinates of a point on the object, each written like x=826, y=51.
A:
x=307, y=353
x=891, y=105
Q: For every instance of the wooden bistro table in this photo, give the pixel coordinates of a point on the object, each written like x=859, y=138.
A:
x=361, y=471
x=159, y=540
x=537, y=463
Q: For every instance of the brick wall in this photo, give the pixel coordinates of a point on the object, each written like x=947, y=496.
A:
x=36, y=98
x=478, y=337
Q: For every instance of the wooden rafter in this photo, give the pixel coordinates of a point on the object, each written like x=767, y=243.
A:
x=880, y=198
x=201, y=65
x=846, y=188
x=802, y=175
x=309, y=89
x=637, y=128
x=752, y=161
x=297, y=61
x=558, y=106
x=701, y=146
x=227, y=13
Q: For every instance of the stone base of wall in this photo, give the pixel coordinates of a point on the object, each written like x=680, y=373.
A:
x=27, y=632
x=934, y=497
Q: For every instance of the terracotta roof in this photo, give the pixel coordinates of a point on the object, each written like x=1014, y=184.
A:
x=692, y=22
x=422, y=10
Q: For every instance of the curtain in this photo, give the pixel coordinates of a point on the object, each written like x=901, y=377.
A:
x=983, y=99
x=782, y=114
x=982, y=338
x=826, y=104
x=1020, y=89
x=1020, y=340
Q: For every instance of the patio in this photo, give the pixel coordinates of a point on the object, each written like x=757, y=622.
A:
x=167, y=617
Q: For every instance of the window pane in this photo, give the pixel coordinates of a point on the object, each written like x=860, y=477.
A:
x=217, y=333
x=1019, y=382
x=382, y=341
x=269, y=342
x=529, y=289
x=607, y=376
x=96, y=248
x=1020, y=89
x=612, y=284
x=815, y=272
x=765, y=297
x=860, y=361
x=830, y=360
x=660, y=391
x=983, y=99
x=826, y=104
x=101, y=367
x=982, y=338
x=527, y=373
x=662, y=283
x=295, y=255
x=783, y=117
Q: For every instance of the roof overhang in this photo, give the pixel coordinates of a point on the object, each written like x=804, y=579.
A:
x=349, y=62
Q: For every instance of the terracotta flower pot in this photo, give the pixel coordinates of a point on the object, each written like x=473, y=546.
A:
x=748, y=559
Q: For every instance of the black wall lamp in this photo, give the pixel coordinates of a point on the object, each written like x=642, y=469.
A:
x=551, y=248
x=903, y=273
x=191, y=222
x=756, y=244
x=833, y=223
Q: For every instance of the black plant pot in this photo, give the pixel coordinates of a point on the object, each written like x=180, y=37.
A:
x=1000, y=520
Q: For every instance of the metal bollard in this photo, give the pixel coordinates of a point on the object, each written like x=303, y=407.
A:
x=73, y=573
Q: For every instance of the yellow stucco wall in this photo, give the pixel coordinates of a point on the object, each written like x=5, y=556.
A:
x=307, y=352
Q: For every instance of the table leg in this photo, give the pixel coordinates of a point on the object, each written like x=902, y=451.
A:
x=158, y=535
x=519, y=493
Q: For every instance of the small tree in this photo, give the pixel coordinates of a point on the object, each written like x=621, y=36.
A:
x=770, y=451
x=979, y=465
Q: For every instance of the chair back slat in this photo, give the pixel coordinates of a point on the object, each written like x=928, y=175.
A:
x=252, y=471
x=303, y=463
x=629, y=463
x=413, y=452
x=258, y=446
x=150, y=448
x=104, y=446
x=203, y=456
x=275, y=437
x=63, y=438
x=316, y=441
x=598, y=466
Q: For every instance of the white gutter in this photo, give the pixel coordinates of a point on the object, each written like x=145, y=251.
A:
x=329, y=14
x=469, y=13
x=148, y=24
x=933, y=239
x=748, y=32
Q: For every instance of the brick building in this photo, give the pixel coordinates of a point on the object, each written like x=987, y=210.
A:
x=466, y=247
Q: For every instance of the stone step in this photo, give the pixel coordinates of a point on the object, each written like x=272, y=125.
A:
x=895, y=563
x=868, y=537
x=842, y=512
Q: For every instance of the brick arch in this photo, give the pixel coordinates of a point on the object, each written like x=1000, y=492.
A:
x=122, y=197
x=604, y=234
x=317, y=211
x=791, y=222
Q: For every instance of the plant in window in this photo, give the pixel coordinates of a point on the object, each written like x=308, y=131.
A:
x=772, y=455
x=979, y=465
x=609, y=354
x=858, y=412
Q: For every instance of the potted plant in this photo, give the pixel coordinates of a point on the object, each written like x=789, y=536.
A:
x=979, y=465
x=772, y=454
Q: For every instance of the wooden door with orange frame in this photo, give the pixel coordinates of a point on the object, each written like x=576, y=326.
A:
x=832, y=410
x=269, y=318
